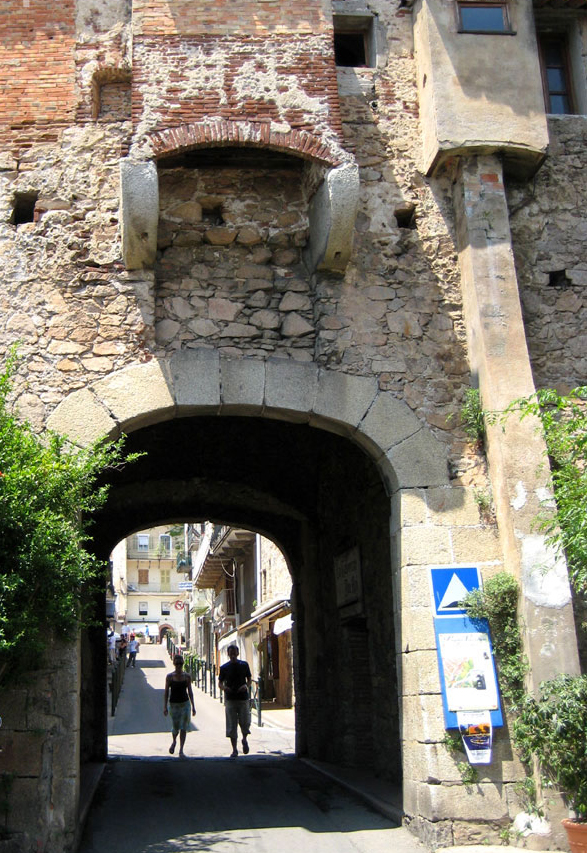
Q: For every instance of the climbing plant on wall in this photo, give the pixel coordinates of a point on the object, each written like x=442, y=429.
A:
x=49, y=490
x=564, y=422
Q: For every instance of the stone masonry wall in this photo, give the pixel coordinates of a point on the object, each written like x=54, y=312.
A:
x=229, y=272
x=549, y=229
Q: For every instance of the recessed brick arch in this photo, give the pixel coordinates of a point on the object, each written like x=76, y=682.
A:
x=220, y=133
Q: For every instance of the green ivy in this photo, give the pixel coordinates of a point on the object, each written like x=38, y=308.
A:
x=497, y=602
x=553, y=728
x=49, y=490
x=563, y=420
x=473, y=416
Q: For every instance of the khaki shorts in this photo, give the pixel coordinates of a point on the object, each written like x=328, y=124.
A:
x=237, y=712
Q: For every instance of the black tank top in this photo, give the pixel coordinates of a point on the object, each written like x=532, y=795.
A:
x=178, y=691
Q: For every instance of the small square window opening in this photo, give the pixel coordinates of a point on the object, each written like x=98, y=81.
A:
x=353, y=41
x=483, y=18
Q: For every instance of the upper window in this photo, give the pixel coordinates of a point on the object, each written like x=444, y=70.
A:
x=165, y=541
x=483, y=18
x=556, y=74
x=353, y=41
x=143, y=541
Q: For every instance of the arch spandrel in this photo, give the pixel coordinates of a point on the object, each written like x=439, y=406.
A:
x=201, y=382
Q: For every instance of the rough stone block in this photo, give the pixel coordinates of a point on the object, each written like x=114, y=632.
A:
x=82, y=418
x=452, y=505
x=332, y=214
x=417, y=629
x=196, y=379
x=438, y=802
x=420, y=460
x=290, y=385
x=483, y=542
x=389, y=421
x=420, y=673
x=344, y=398
x=414, y=509
x=242, y=385
x=25, y=806
x=22, y=753
x=426, y=545
x=138, y=395
x=415, y=588
x=423, y=719
x=139, y=191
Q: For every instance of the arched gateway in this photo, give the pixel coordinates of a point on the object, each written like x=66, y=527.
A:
x=323, y=462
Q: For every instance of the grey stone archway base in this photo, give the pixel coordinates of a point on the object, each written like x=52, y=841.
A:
x=201, y=382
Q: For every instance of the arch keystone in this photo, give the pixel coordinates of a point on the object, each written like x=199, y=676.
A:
x=195, y=376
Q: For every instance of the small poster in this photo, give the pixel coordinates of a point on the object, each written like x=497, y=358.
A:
x=476, y=732
x=347, y=576
x=469, y=674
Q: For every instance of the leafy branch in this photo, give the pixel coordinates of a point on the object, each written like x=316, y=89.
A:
x=49, y=491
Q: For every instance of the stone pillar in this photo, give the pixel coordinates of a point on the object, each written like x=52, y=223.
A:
x=499, y=357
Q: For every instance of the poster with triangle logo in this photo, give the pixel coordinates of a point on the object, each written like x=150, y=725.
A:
x=450, y=585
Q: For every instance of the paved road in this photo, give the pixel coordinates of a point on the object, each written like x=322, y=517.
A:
x=268, y=801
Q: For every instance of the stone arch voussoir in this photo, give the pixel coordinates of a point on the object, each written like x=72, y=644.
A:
x=201, y=382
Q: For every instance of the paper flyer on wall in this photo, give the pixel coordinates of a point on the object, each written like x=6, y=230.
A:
x=468, y=672
x=476, y=732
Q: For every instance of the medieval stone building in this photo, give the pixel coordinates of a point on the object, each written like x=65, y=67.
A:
x=274, y=243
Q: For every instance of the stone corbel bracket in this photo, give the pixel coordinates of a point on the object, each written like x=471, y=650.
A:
x=139, y=194
x=332, y=214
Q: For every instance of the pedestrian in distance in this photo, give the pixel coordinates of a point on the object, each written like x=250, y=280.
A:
x=178, y=699
x=133, y=648
x=234, y=679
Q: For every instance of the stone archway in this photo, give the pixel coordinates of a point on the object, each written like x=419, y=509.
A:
x=160, y=398
x=202, y=382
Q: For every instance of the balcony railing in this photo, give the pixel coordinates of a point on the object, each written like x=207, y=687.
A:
x=224, y=605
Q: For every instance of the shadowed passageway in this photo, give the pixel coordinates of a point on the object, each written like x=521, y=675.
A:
x=151, y=802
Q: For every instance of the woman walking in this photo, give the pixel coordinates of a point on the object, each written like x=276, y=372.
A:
x=178, y=699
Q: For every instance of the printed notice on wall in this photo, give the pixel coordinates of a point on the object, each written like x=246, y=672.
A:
x=475, y=729
x=347, y=575
x=468, y=672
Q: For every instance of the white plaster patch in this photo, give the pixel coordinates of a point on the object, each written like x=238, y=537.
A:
x=544, y=573
x=284, y=89
x=519, y=500
x=545, y=497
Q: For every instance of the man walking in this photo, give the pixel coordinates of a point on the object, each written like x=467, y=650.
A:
x=234, y=679
x=133, y=648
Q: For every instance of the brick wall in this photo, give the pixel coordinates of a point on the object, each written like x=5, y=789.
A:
x=226, y=17
x=36, y=70
x=290, y=83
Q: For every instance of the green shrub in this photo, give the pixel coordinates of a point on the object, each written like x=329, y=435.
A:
x=49, y=490
x=553, y=728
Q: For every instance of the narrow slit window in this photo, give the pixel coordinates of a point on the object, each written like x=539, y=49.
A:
x=556, y=76
x=483, y=18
